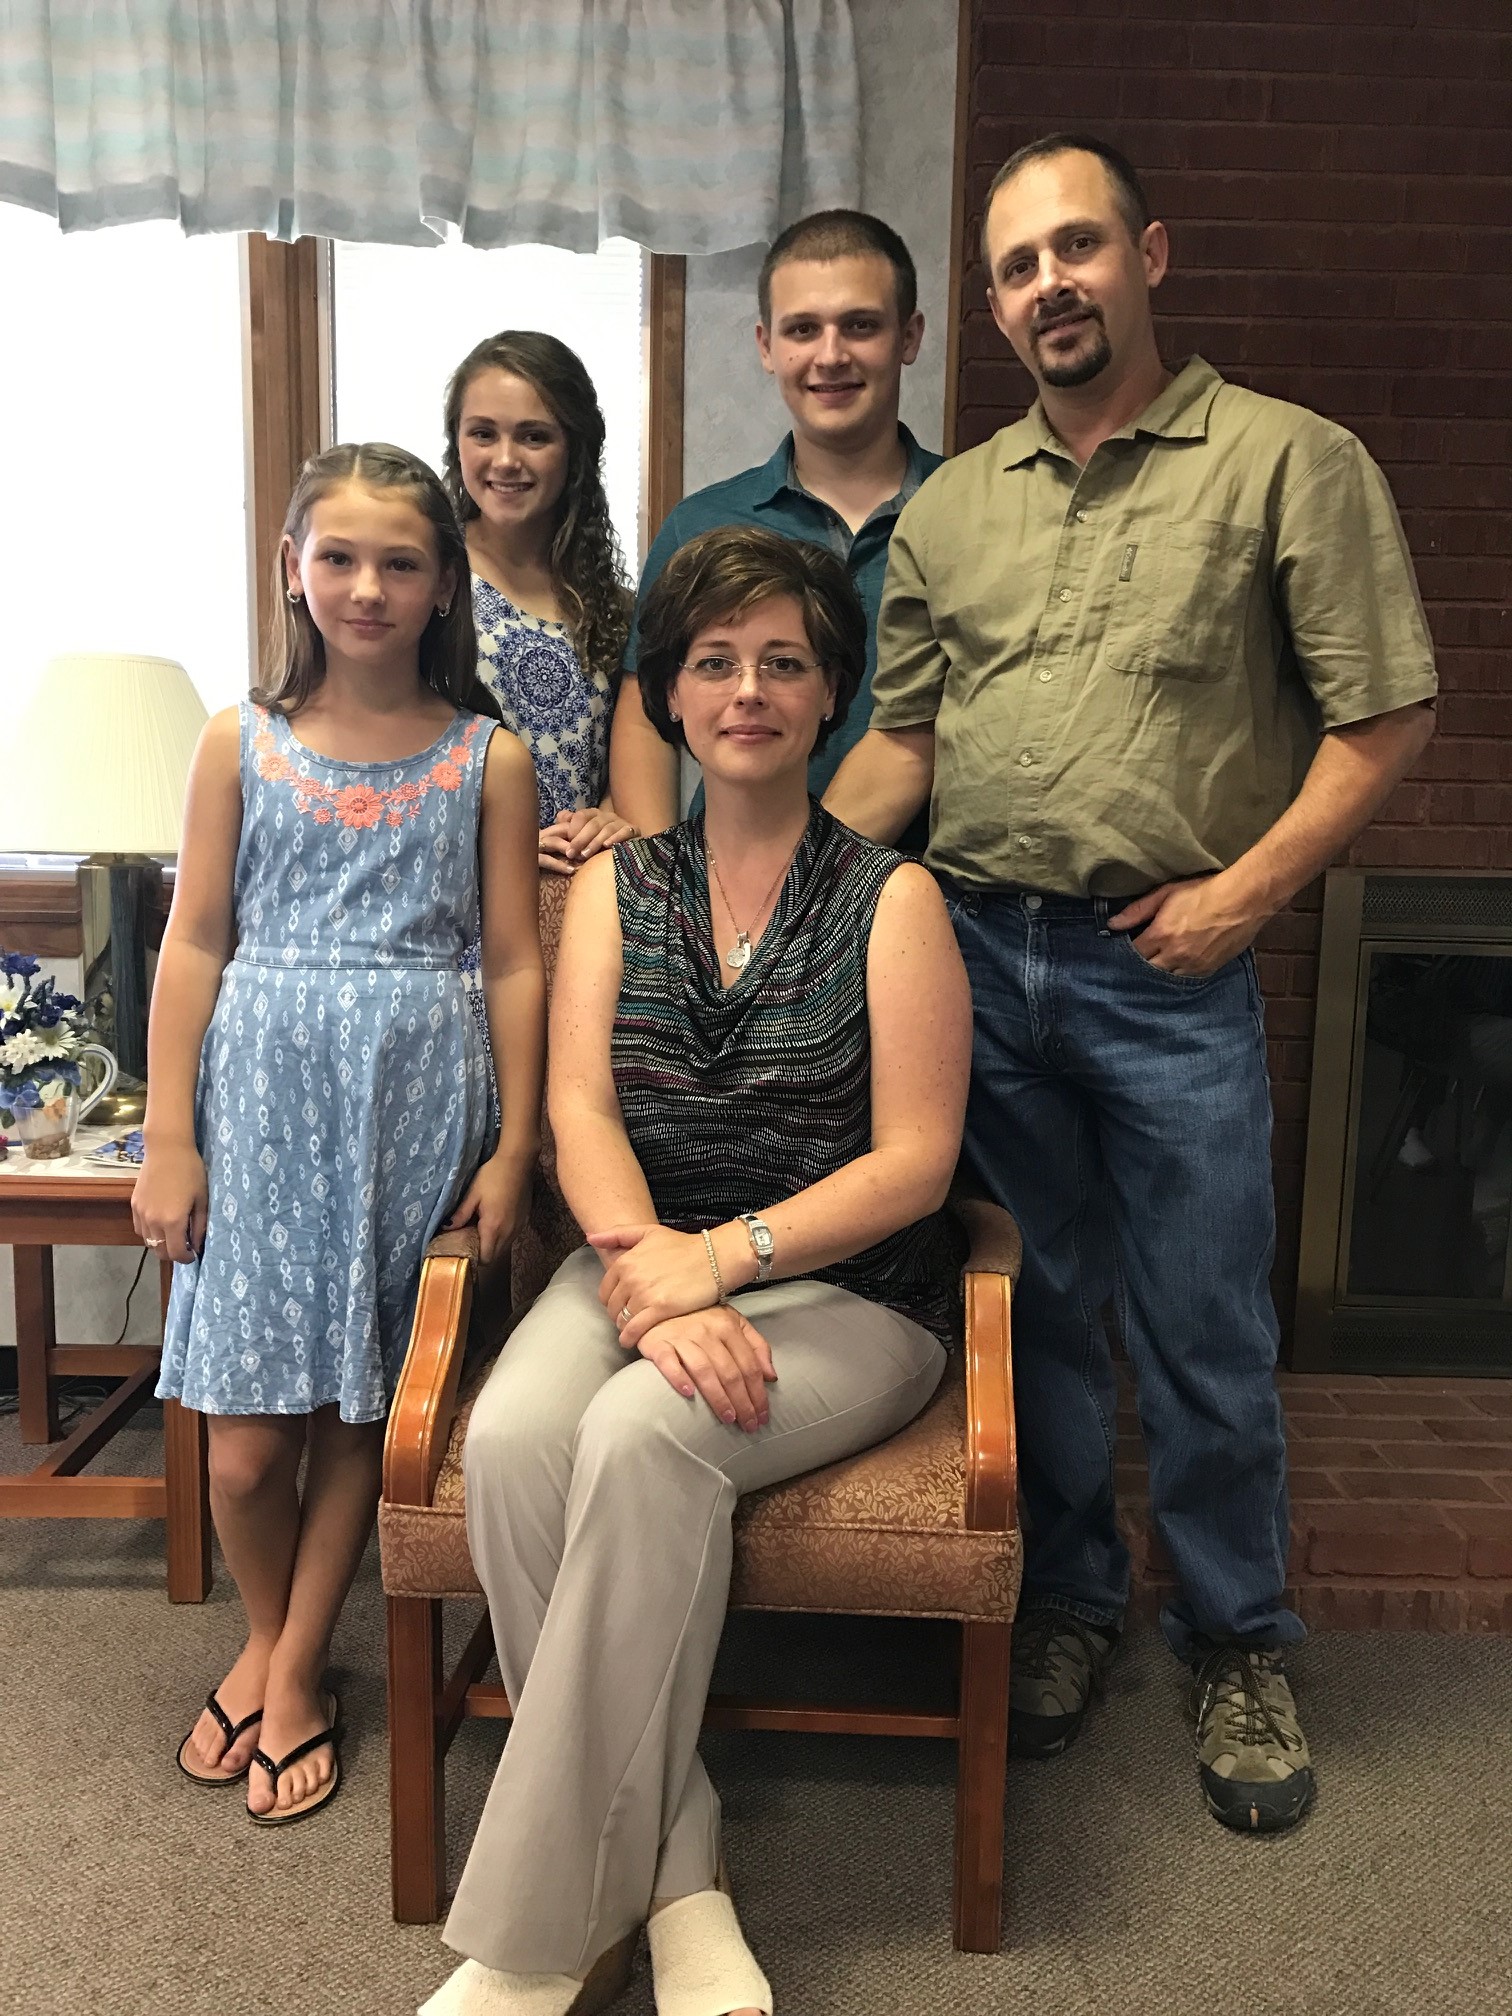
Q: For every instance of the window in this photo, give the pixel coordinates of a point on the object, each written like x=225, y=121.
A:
x=123, y=510
x=404, y=318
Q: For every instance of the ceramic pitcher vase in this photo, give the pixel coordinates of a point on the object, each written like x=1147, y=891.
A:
x=44, y=1109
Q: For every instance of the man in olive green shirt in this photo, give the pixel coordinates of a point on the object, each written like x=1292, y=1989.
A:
x=1153, y=656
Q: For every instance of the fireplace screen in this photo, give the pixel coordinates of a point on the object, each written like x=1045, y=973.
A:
x=1433, y=1165
x=1407, y=1262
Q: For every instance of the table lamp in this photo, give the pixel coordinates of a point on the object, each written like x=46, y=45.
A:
x=104, y=747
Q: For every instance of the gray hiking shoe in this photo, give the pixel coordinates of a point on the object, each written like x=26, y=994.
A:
x=1252, y=1757
x=1058, y=1665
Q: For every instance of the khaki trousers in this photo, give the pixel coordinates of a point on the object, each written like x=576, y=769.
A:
x=599, y=1503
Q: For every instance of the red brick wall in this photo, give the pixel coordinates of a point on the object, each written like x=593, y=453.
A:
x=1335, y=176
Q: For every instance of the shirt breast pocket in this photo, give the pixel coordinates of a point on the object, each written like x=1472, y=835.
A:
x=1179, y=597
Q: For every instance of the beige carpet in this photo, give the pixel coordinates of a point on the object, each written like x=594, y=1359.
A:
x=125, y=1890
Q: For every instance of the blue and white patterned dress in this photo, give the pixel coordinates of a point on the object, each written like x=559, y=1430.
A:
x=560, y=712
x=343, y=1096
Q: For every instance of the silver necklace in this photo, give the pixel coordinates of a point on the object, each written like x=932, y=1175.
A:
x=739, y=954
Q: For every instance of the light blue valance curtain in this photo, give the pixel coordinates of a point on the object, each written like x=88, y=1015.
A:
x=690, y=126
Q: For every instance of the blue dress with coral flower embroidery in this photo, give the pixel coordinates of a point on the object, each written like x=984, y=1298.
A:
x=343, y=1098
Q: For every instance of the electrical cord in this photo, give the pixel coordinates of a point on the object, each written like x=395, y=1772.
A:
x=85, y=1393
x=120, y=1336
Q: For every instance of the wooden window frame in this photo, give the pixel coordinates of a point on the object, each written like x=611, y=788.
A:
x=288, y=414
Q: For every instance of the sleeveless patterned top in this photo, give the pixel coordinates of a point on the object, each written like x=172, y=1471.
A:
x=736, y=1097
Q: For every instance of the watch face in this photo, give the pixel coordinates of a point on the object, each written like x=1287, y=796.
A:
x=761, y=1241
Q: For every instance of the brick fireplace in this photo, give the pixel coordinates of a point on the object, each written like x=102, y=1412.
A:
x=1401, y=1503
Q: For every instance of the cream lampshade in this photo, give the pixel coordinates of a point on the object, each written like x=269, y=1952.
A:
x=103, y=751
x=104, y=748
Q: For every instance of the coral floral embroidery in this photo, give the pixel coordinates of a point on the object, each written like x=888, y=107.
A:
x=359, y=804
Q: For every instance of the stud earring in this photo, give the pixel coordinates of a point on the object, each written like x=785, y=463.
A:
x=443, y=609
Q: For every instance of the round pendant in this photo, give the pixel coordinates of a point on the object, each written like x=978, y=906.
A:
x=739, y=954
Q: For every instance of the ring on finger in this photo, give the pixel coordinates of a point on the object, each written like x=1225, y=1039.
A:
x=154, y=1242
x=623, y=1317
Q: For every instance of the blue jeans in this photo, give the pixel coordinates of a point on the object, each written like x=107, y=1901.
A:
x=1123, y=1116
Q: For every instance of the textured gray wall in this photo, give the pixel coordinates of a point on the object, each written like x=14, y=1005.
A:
x=908, y=62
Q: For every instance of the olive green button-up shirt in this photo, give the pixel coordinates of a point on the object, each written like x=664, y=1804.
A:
x=1127, y=665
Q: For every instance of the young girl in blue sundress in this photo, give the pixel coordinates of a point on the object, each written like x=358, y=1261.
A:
x=319, y=1091
x=524, y=468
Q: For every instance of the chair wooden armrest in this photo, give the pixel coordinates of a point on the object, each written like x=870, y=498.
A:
x=994, y=1242
x=992, y=1266
x=425, y=1399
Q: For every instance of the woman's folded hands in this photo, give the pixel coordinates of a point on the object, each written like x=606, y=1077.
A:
x=717, y=1353
x=661, y=1291
x=652, y=1272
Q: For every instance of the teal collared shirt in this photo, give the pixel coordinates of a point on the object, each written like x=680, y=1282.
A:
x=771, y=496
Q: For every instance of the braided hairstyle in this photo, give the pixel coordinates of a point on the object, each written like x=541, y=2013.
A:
x=294, y=650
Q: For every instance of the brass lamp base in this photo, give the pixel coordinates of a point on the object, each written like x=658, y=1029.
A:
x=113, y=899
x=125, y=1105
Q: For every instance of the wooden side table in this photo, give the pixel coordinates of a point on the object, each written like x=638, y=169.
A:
x=73, y=1202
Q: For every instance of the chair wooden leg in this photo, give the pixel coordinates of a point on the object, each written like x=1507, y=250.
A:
x=981, y=1784
x=417, y=1762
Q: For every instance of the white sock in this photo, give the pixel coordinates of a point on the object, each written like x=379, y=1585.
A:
x=476, y=1990
x=700, y=1961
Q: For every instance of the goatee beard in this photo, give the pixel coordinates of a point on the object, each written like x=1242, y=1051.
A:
x=1082, y=370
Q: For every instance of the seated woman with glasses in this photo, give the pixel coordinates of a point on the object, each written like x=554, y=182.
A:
x=760, y=1041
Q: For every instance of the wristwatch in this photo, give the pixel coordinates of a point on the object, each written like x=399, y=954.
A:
x=760, y=1235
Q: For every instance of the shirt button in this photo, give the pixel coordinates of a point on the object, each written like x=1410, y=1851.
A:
x=1033, y=902
x=1025, y=760
x=1024, y=840
x=1065, y=595
x=1081, y=517
x=1045, y=678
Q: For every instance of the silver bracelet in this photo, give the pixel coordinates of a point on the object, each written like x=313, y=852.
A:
x=714, y=1266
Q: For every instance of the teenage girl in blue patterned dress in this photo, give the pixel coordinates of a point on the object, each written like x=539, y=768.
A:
x=524, y=465
x=319, y=1096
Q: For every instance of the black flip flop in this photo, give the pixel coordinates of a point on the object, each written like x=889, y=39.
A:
x=230, y=1730
x=316, y=1800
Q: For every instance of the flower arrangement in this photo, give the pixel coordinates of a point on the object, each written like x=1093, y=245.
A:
x=42, y=1033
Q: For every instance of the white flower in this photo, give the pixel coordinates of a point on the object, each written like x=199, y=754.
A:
x=25, y=1049
x=11, y=990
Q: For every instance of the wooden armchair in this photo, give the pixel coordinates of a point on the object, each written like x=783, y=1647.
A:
x=924, y=1525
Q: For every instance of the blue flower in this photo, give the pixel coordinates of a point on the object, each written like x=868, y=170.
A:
x=20, y=964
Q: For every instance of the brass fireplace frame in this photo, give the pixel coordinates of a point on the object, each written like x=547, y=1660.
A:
x=1367, y=911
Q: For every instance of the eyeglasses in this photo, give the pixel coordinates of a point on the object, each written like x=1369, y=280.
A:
x=781, y=669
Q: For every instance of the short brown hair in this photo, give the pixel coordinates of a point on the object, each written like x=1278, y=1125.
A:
x=1128, y=191
x=728, y=572
x=840, y=234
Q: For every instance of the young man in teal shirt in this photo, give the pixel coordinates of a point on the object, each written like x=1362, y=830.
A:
x=839, y=321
